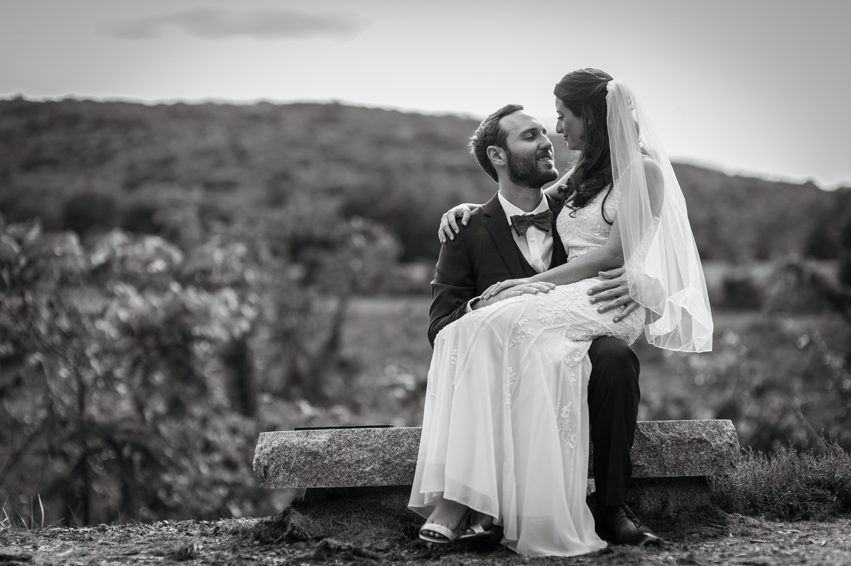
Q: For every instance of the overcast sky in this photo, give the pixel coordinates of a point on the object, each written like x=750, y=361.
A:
x=754, y=86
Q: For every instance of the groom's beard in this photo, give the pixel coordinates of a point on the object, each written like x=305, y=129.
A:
x=524, y=170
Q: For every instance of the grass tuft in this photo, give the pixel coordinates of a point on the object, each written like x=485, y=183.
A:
x=788, y=485
x=7, y=522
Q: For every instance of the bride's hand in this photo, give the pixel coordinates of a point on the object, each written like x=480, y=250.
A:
x=524, y=282
x=449, y=224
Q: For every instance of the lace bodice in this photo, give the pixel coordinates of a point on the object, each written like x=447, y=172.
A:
x=585, y=229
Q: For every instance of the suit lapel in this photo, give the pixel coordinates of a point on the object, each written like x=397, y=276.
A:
x=559, y=255
x=496, y=225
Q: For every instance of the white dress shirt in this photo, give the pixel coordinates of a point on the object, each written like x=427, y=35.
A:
x=536, y=245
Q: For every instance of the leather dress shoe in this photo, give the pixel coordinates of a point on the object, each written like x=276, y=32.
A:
x=618, y=525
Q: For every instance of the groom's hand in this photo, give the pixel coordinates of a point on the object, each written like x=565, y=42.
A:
x=511, y=292
x=613, y=293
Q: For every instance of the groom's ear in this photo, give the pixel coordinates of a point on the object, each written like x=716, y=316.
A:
x=496, y=155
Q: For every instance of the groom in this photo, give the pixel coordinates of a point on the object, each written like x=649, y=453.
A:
x=513, y=148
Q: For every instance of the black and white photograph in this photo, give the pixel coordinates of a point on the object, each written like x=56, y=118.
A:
x=381, y=281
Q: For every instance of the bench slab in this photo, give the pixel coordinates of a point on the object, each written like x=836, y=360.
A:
x=361, y=457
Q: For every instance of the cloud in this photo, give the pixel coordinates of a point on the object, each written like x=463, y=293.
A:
x=261, y=24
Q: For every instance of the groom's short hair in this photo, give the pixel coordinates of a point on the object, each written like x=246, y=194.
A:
x=490, y=133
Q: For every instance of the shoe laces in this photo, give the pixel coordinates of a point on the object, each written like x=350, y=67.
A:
x=631, y=516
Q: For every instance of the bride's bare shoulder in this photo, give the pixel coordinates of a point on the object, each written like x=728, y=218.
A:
x=652, y=170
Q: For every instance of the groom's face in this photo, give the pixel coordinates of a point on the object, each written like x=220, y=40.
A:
x=529, y=152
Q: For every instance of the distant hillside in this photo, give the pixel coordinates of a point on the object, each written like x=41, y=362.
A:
x=402, y=169
x=750, y=218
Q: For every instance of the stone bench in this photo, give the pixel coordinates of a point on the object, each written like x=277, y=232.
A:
x=671, y=461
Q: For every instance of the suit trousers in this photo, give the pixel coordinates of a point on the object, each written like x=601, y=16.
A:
x=613, y=397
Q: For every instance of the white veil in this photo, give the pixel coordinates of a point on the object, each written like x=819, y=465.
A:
x=662, y=265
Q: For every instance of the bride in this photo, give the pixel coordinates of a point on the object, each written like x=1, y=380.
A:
x=505, y=434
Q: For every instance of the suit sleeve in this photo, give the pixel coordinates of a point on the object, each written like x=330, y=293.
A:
x=453, y=286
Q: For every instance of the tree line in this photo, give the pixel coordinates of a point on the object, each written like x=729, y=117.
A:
x=79, y=164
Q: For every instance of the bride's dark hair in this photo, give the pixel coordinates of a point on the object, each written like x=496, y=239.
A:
x=584, y=93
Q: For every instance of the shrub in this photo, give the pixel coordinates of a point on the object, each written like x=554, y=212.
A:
x=114, y=390
x=132, y=364
x=788, y=485
x=89, y=210
x=741, y=291
x=822, y=241
x=139, y=217
x=845, y=253
x=779, y=380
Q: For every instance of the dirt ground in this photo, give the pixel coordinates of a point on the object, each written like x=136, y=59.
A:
x=297, y=538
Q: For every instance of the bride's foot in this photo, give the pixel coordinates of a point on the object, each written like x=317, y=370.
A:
x=480, y=527
x=481, y=520
x=445, y=523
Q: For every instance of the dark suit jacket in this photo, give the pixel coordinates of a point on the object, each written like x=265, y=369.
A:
x=483, y=253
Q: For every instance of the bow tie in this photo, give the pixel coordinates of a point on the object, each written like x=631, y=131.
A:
x=542, y=220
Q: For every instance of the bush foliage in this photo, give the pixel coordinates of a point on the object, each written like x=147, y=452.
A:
x=779, y=382
x=132, y=365
x=788, y=485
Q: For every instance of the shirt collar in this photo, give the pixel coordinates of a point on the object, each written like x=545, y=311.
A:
x=511, y=210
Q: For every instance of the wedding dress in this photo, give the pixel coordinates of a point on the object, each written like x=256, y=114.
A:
x=505, y=428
